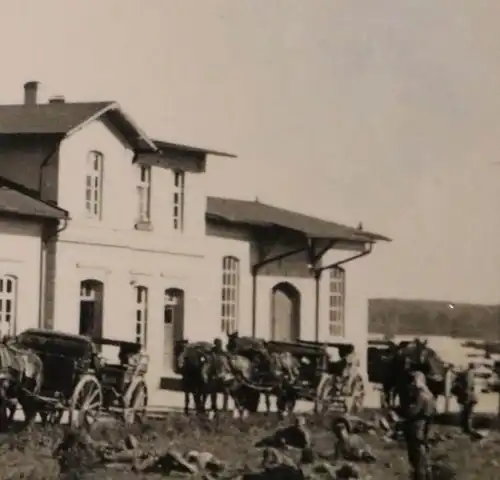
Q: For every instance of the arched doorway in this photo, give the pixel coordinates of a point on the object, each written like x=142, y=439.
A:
x=285, y=313
x=173, y=326
x=91, y=303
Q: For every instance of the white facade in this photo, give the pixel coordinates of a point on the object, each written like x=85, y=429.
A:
x=103, y=256
x=20, y=257
x=108, y=250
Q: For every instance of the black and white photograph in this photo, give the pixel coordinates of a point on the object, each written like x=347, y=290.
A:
x=249, y=239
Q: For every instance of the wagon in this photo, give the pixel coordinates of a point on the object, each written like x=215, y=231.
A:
x=76, y=380
x=321, y=378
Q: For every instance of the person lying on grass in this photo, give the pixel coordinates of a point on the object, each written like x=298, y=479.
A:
x=348, y=445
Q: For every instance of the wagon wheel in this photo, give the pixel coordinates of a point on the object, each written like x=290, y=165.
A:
x=325, y=395
x=135, y=408
x=86, y=402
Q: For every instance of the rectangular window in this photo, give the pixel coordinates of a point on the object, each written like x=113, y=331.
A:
x=178, y=200
x=93, y=184
x=230, y=294
x=337, y=303
x=8, y=302
x=144, y=193
x=141, y=315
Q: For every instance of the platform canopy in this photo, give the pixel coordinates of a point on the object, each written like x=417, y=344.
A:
x=257, y=214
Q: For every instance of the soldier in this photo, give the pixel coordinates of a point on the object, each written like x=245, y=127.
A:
x=296, y=435
x=418, y=415
x=350, y=446
x=466, y=397
x=276, y=465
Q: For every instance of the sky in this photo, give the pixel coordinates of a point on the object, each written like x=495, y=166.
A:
x=381, y=111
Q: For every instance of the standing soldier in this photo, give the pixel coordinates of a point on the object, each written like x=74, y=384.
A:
x=419, y=411
x=465, y=390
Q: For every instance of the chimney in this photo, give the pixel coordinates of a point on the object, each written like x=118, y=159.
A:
x=57, y=99
x=30, y=93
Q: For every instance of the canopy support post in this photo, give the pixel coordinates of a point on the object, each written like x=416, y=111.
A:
x=257, y=266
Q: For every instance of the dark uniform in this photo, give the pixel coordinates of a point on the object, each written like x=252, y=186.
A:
x=418, y=416
x=466, y=397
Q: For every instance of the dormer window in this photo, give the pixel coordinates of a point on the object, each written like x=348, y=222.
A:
x=178, y=200
x=144, y=193
x=93, y=184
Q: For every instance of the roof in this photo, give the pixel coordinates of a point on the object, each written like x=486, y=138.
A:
x=48, y=118
x=43, y=332
x=260, y=214
x=62, y=118
x=18, y=200
x=162, y=145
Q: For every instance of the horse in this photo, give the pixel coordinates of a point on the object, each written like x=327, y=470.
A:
x=194, y=362
x=255, y=349
x=406, y=359
x=21, y=376
x=237, y=376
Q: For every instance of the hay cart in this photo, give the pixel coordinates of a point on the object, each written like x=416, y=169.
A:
x=75, y=380
x=321, y=378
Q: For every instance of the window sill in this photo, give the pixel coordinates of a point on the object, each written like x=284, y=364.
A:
x=143, y=226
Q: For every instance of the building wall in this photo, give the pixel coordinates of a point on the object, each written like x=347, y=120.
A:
x=120, y=198
x=121, y=270
x=294, y=270
x=20, y=244
x=112, y=251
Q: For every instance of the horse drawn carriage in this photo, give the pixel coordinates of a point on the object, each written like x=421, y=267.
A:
x=330, y=382
x=76, y=380
x=325, y=375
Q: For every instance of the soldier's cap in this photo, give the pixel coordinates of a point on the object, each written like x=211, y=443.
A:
x=339, y=423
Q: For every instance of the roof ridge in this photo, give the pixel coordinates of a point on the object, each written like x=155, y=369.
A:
x=29, y=192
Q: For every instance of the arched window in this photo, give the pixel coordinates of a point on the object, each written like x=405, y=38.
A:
x=8, y=303
x=91, y=307
x=141, y=315
x=230, y=294
x=337, y=302
x=93, y=184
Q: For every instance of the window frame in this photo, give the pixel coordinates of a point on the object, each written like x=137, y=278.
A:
x=141, y=314
x=94, y=168
x=9, y=317
x=230, y=294
x=178, y=200
x=336, y=302
x=144, y=194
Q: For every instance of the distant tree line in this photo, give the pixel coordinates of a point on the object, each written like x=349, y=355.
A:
x=390, y=317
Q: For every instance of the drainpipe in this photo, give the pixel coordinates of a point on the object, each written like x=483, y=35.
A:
x=43, y=267
x=255, y=270
x=317, y=275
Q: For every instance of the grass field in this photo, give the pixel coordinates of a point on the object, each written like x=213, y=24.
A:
x=29, y=454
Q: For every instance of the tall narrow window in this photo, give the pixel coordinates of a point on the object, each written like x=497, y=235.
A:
x=144, y=191
x=230, y=294
x=337, y=302
x=178, y=200
x=93, y=184
x=8, y=303
x=141, y=315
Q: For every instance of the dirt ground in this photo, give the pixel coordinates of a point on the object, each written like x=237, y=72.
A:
x=29, y=454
